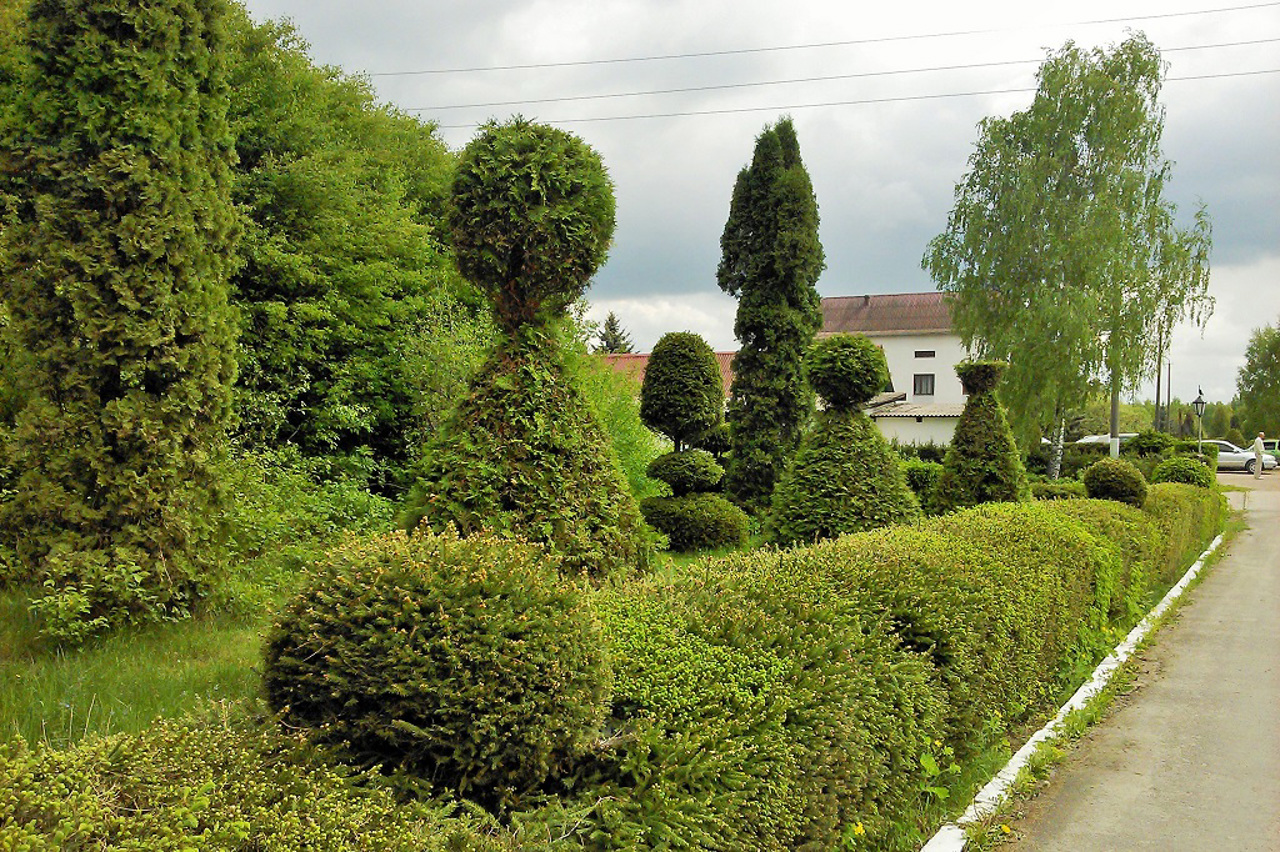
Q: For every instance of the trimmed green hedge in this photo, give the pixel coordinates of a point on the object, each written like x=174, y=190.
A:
x=1183, y=469
x=697, y=521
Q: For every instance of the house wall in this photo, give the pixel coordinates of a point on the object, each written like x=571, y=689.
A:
x=900, y=351
x=937, y=430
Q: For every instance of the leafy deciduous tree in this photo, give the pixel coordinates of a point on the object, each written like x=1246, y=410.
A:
x=1258, y=381
x=771, y=260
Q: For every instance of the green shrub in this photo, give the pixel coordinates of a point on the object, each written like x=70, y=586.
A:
x=1065, y=489
x=1235, y=436
x=1115, y=479
x=846, y=370
x=465, y=662
x=218, y=785
x=1148, y=443
x=983, y=464
x=922, y=478
x=698, y=521
x=687, y=471
x=930, y=451
x=1199, y=448
x=1183, y=469
x=1189, y=517
x=613, y=399
x=844, y=479
x=682, y=395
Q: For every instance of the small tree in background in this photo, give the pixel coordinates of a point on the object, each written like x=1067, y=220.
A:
x=683, y=398
x=532, y=214
x=771, y=260
x=613, y=337
x=846, y=477
x=116, y=253
x=983, y=464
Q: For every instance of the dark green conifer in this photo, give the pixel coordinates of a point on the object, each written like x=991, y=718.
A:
x=116, y=255
x=771, y=261
x=983, y=464
x=613, y=337
x=682, y=395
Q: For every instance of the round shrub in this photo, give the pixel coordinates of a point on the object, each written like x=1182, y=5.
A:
x=682, y=395
x=1148, y=443
x=467, y=662
x=531, y=216
x=979, y=376
x=1183, y=469
x=846, y=370
x=687, y=470
x=1115, y=479
x=697, y=521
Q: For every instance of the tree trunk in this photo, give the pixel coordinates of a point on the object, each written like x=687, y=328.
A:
x=1115, y=415
x=1055, y=447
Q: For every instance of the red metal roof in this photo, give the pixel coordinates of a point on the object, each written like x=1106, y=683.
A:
x=633, y=364
x=886, y=314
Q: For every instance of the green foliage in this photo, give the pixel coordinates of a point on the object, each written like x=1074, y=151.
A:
x=1235, y=436
x=983, y=464
x=1115, y=479
x=682, y=395
x=1189, y=517
x=1183, y=469
x=1065, y=489
x=687, y=471
x=922, y=477
x=930, y=451
x=1258, y=381
x=697, y=521
x=771, y=260
x=1148, y=443
x=523, y=456
x=844, y=479
x=613, y=337
x=846, y=370
x=614, y=400
x=217, y=784
x=531, y=216
x=117, y=243
x=465, y=662
x=352, y=319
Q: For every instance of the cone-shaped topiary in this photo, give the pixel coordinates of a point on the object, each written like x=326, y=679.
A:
x=682, y=395
x=983, y=464
x=845, y=478
x=469, y=663
x=531, y=215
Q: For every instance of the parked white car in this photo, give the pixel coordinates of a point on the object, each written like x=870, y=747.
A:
x=1106, y=439
x=1231, y=457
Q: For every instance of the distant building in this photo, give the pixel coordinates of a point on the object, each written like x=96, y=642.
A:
x=922, y=350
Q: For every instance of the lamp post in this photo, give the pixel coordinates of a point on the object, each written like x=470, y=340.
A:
x=1198, y=404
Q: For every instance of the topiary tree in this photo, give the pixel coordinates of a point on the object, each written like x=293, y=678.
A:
x=682, y=395
x=531, y=216
x=1183, y=469
x=116, y=247
x=983, y=464
x=683, y=398
x=1115, y=479
x=845, y=478
x=468, y=663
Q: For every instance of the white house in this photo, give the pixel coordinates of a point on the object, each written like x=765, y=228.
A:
x=914, y=330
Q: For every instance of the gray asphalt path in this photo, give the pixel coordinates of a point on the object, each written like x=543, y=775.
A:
x=1190, y=760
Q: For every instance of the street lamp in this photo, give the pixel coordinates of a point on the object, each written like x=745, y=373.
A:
x=1198, y=404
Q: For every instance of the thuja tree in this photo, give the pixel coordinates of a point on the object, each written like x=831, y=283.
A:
x=116, y=251
x=771, y=261
x=683, y=398
x=983, y=464
x=845, y=477
x=531, y=216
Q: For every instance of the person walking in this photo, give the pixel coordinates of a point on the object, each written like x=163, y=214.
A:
x=1258, y=449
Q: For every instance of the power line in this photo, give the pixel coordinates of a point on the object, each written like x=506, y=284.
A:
x=811, y=46
x=854, y=102
x=796, y=80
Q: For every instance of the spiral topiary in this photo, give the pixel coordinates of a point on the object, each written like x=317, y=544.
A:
x=846, y=370
x=1183, y=469
x=466, y=662
x=1115, y=479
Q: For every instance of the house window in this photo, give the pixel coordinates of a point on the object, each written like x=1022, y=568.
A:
x=923, y=384
x=925, y=353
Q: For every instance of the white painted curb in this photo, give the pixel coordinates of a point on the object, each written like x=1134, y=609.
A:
x=951, y=837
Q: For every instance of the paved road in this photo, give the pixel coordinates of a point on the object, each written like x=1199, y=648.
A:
x=1190, y=760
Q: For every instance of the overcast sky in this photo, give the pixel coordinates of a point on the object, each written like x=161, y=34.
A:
x=885, y=144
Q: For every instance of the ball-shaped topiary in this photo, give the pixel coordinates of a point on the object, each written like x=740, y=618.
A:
x=682, y=395
x=1183, y=469
x=531, y=216
x=468, y=662
x=687, y=471
x=697, y=521
x=846, y=370
x=845, y=478
x=1115, y=479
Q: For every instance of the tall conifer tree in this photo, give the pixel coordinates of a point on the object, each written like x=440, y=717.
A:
x=116, y=251
x=771, y=260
